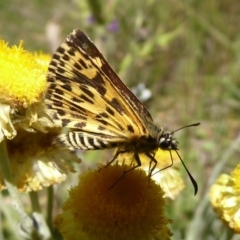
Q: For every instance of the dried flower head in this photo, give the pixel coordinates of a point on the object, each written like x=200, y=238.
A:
x=24, y=123
x=132, y=209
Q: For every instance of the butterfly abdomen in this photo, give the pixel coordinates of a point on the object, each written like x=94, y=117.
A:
x=86, y=141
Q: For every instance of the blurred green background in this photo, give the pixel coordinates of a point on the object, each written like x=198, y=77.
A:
x=186, y=52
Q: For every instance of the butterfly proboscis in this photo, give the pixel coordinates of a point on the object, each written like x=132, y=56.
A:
x=195, y=185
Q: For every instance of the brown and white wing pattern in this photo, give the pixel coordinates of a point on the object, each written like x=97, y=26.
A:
x=88, y=98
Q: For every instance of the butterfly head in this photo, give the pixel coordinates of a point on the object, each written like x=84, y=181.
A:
x=166, y=141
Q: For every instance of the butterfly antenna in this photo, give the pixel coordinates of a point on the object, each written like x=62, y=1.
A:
x=194, y=183
x=190, y=125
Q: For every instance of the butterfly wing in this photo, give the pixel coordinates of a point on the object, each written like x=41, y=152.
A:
x=87, y=97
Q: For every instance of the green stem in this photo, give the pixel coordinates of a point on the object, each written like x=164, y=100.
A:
x=43, y=228
x=50, y=207
x=34, y=201
x=5, y=169
x=1, y=224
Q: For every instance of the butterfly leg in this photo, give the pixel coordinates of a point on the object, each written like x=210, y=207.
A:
x=152, y=160
x=115, y=157
x=128, y=170
x=166, y=166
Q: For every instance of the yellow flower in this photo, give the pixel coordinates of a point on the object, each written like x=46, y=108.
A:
x=22, y=86
x=169, y=179
x=35, y=162
x=132, y=209
x=225, y=198
x=22, y=78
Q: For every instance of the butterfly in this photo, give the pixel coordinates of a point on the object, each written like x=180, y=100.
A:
x=96, y=109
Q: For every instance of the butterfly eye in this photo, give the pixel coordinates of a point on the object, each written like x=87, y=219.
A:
x=165, y=143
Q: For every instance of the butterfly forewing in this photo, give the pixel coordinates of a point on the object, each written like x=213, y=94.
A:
x=87, y=97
